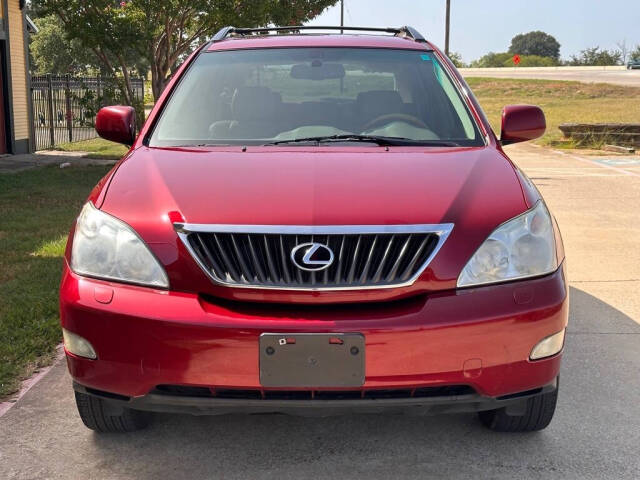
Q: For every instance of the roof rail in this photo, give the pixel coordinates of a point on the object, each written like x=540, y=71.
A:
x=404, y=32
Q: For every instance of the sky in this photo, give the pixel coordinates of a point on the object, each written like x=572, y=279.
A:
x=482, y=26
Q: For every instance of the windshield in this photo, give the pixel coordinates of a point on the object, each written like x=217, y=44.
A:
x=275, y=96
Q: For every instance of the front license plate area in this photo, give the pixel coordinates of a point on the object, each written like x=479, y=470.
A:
x=312, y=360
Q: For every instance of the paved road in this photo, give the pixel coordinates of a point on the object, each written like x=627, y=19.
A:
x=618, y=77
x=595, y=434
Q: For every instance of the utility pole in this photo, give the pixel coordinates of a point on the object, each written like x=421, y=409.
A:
x=341, y=15
x=446, y=28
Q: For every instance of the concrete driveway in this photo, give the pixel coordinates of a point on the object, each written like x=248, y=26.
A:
x=595, y=434
x=620, y=76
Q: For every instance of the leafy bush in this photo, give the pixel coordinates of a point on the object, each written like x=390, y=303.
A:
x=493, y=60
x=596, y=56
x=533, y=61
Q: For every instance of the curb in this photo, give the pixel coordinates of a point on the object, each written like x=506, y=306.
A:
x=30, y=382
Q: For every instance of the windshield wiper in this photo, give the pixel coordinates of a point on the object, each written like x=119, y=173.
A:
x=379, y=140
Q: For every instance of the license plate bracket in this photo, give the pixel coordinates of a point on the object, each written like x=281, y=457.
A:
x=312, y=360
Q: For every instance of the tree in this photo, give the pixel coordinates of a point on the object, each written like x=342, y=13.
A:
x=624, y=50
x=596, y=56
x=163, y=31
x=535, y=43
x=52, y=52
x=456, y=59
x=635, y=54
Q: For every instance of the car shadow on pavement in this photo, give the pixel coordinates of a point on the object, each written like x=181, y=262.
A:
x=595, y=429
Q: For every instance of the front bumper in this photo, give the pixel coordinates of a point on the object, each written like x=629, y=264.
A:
x=479, y=337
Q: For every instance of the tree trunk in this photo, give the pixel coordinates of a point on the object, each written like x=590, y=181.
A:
x=158, y=81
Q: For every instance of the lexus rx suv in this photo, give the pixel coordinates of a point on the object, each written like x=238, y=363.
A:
x=315, y=223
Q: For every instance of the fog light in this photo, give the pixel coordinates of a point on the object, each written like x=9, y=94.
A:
x=77, y=345
x=548, y=346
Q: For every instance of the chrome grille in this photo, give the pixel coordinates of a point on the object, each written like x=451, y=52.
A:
x=255, y=256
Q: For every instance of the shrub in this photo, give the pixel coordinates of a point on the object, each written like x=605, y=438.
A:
x=532, y=61
x=492, y=59
x=596, y=56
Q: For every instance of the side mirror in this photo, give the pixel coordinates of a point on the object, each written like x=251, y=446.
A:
x=521, y=123
x=117, y=123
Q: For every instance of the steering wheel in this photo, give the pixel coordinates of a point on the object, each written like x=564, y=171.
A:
x=391, y=117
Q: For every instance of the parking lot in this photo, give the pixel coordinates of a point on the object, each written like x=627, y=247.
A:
x=595, y=434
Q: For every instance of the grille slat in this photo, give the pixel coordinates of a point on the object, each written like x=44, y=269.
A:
x=244, y=267
x=383, y=260
x=297, y=271
x=257, y=263
x=338, y=277
x=407, y=271
x=270, y=263
x=394, y=269
x=284, y=260
x=232, y=272
x=354, y=260
x=367, y=264
x=365, y=258
x=218, y=270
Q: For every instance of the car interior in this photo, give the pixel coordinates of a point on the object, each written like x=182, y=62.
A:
x=274, y=102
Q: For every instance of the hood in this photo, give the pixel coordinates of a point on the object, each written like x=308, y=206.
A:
x=476, y=189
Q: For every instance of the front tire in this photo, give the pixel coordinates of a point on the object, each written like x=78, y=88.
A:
x=538, y=414
x=98, y=415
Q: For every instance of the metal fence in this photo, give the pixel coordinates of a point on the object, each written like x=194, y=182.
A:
x=65, y=107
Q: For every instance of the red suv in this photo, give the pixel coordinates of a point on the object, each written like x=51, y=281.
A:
x=315, y=223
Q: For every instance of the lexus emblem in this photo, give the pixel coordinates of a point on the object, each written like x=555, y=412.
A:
x=312, y=257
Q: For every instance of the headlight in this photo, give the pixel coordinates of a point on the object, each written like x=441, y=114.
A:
x=522, y=247
x=105, y=247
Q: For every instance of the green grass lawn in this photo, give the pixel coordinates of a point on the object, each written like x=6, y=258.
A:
x=562, y=102
x=37, y=208
x=97, y=148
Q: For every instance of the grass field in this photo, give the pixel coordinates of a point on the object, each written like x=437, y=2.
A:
x=562, y=102
x=97, y=148
x=37, y=208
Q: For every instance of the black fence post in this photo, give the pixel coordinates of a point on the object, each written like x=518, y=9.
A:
x=69, y=114
x=51, y=119
x=98, y=93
